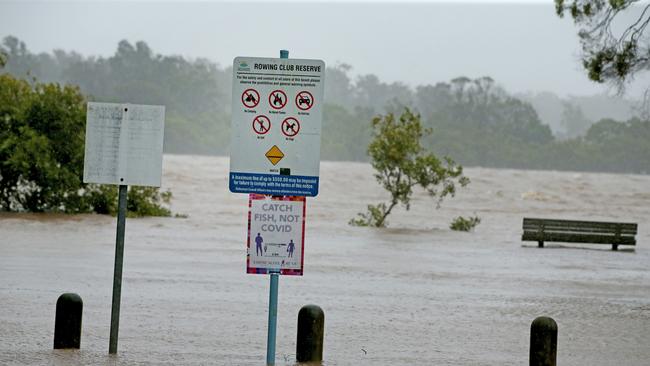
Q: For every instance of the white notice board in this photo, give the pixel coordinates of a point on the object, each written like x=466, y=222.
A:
x=277, y=112
x=124, y=144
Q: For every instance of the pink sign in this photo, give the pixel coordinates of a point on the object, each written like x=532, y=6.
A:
x=276, y=234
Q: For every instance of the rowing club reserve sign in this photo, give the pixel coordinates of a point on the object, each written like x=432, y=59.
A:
x=277, y=111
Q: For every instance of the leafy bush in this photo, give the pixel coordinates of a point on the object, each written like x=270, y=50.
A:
x=462, y=224
x=42, y=132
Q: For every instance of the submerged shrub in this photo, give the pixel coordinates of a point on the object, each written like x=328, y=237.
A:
x=465, y=224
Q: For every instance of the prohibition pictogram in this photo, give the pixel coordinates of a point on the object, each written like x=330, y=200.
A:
x=277, y=99
x=290, y=127
x=304, y=100
x=250, y=98
x=261, y=124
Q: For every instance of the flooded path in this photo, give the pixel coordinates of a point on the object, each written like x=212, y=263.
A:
x=416, y=293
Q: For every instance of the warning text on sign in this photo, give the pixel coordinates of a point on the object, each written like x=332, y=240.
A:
x=294, y=185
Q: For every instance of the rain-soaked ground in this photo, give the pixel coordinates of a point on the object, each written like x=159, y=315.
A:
x=416, y=293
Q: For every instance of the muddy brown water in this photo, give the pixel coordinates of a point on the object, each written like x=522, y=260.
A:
x=416, y=293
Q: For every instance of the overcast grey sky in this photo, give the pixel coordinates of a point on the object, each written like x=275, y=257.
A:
x=523, y=45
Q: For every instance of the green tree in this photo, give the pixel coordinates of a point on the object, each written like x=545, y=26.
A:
x=401, y=164
x=42, y=129
x=611, y=52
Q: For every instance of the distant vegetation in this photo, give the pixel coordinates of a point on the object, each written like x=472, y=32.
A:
x=42, y=131
x=473, y=120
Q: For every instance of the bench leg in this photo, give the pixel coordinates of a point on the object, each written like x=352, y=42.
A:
x=540, y=244
x=614, y=246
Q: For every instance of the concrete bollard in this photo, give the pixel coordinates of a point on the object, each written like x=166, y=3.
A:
x=311, y=324
x=543, y=342
x=67, y=325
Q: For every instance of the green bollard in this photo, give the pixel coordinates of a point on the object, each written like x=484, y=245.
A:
x=67, y=324
x=543, y=342
x=311, y=324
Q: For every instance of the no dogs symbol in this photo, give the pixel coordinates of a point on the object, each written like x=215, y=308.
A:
x=261, y=125
x=290, y=127
x=250, y=98
x=304, y=100
x=277, y=99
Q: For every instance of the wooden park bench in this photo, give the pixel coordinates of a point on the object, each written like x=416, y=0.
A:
x=569, y=231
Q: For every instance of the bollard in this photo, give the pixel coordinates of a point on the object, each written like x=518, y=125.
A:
x=311, y=323
x=67, y=325
x=543, y=342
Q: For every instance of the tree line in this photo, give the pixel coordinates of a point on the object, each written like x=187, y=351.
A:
x=473, y=120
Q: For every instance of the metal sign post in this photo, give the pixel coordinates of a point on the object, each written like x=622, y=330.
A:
x=123, y=146
x=117, y=274
x=275, y=246
x=277, y=113
x=273, y=297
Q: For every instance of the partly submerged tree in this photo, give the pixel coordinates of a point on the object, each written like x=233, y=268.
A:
x=401, y=164
x=612, y=51
x=42, y=129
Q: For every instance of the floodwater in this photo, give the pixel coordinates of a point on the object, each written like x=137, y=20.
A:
x=416, y=293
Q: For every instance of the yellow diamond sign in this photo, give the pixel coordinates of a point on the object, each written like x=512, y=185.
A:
x=274, y=155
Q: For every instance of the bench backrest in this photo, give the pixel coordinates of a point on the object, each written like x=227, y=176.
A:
x=572, y=226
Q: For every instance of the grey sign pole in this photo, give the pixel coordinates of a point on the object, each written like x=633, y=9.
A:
x=117, y=275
